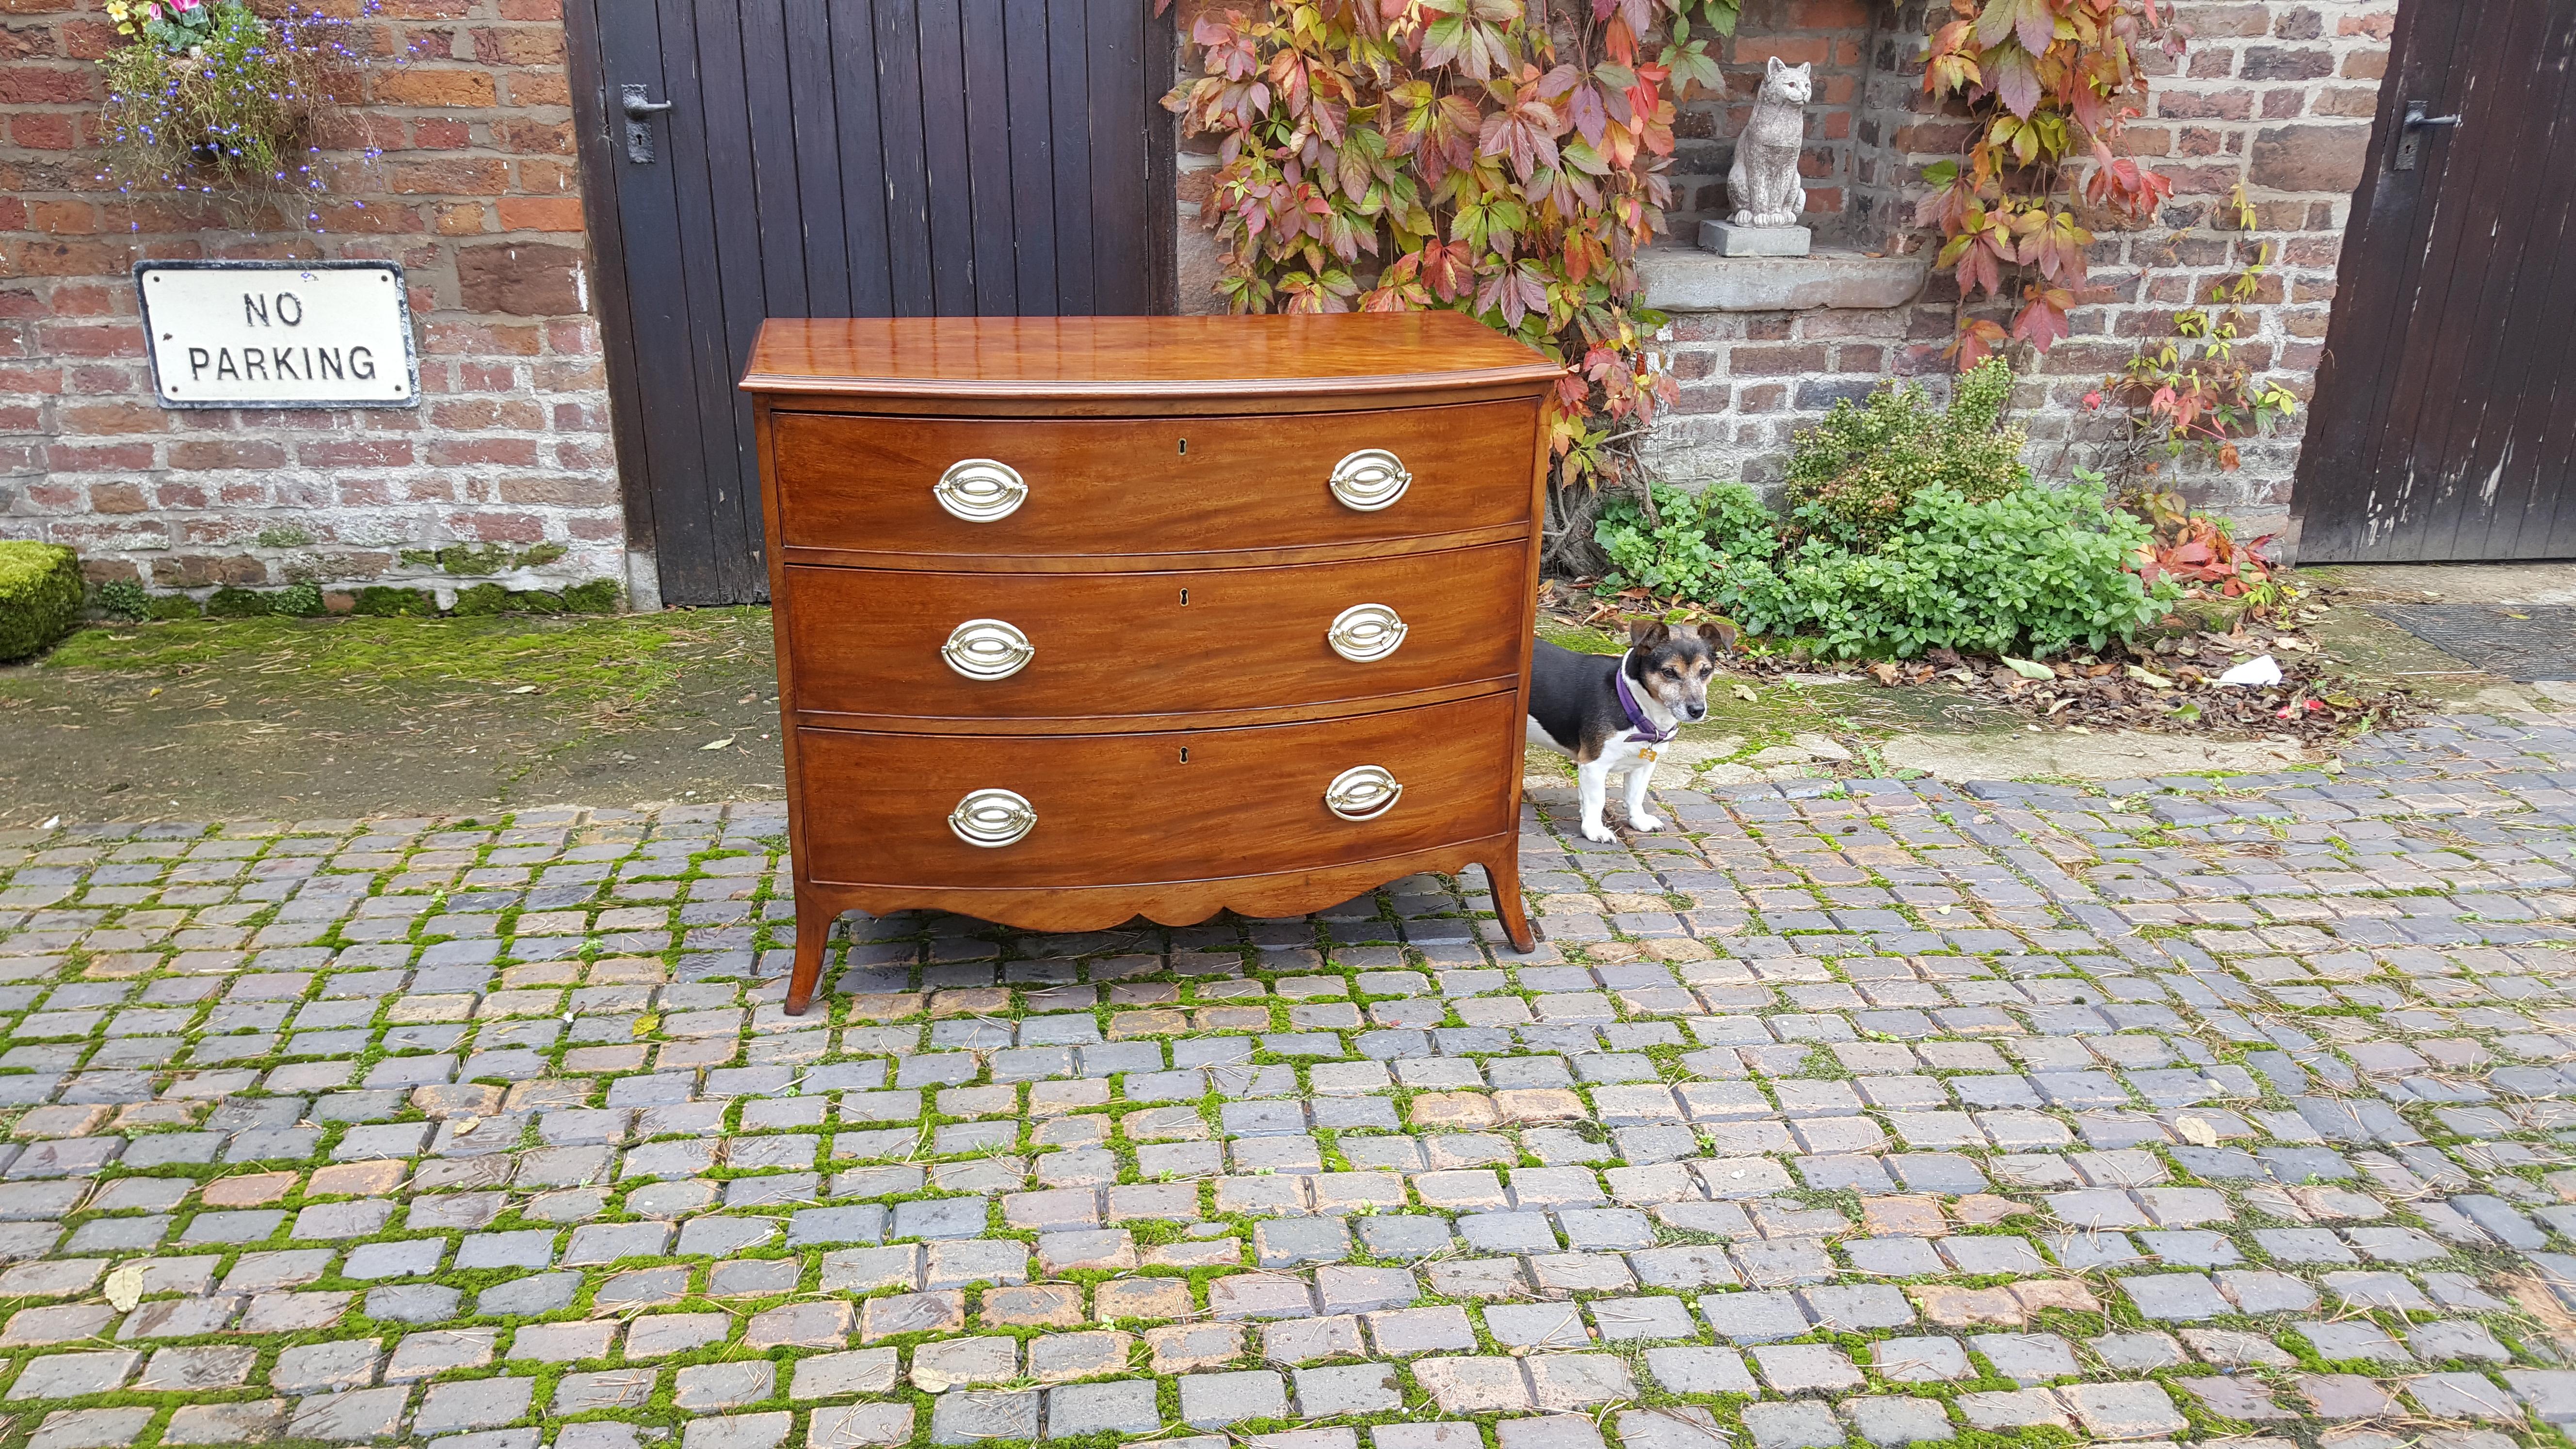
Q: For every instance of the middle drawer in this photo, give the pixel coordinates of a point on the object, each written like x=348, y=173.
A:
x=1020, y=646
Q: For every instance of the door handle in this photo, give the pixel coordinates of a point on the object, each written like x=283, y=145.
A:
x=2411, y=140
x=639, y=111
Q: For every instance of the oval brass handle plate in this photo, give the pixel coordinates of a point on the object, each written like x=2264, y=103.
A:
x=1363, y=792
x=992, y=818
x=987, y=649
x=980, y=490
x=1370, y=479
x=1365, y=633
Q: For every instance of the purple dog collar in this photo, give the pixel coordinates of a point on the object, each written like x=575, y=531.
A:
x=1645, y=730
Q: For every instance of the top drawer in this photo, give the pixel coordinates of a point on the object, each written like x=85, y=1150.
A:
x=1127, y=487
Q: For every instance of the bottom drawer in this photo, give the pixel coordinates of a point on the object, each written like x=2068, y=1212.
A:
x=1144, y=808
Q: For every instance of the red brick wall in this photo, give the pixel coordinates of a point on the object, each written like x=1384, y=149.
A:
x=1832, y=35
x=475, y=195
x=2276, y=93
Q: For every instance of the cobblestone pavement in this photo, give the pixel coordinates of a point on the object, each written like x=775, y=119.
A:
x=1847, y=1115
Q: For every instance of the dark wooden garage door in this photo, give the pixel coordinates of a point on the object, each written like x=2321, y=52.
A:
x=2445, y=420
x=840, y=158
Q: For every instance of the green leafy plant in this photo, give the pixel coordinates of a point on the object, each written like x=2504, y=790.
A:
x=1917, y=530
x=299, y=600
x=2039, y=569
x=1687, y=540
x=2049, y=86
x=213, y=98
x=124, y=599
x=1852, y=476
x=1493, y=157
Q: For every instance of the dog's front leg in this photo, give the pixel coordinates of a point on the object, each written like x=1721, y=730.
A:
x=1641, y=774
x=1593, y=779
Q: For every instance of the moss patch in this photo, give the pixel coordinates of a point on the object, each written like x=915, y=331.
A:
x=588, y=659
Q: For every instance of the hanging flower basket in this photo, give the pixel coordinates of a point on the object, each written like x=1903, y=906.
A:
x=212, y=98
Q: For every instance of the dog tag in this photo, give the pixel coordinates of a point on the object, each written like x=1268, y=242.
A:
x=1646, y=755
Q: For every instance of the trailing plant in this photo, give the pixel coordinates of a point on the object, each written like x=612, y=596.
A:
x=211, y=98
x=1493, y=157
x=2191, y=394
x=1852, y=476
x=2048, y=86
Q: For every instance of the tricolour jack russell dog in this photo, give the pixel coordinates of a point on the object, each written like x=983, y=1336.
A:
x=1612, y=714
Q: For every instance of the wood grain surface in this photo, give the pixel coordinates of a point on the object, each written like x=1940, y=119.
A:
x=868, y=641
x=1148, y=485
x=1154, y=807
x=1413, y=353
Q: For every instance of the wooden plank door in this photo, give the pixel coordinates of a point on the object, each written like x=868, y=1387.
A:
x=2444, y=426
x=844, y=158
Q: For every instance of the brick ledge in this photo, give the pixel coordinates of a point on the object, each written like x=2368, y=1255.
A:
x=1682, y=278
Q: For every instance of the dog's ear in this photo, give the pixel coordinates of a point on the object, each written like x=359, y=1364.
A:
x=1720, y=634
x=1647, y=633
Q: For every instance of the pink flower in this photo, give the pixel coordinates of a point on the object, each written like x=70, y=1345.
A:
x=184, y=6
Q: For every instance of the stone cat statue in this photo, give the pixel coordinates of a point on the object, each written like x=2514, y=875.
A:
x=1764, y=179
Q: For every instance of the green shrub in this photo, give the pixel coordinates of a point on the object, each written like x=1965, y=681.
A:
x=2036, y=568
x=385, y=602
x=303, y=601
x=124, y=599
x=40, y=597
x=1689, y=549
x=232, y=603
x=599, y=596
x=1913, y=530
x=1852, y=476
x=172, y=606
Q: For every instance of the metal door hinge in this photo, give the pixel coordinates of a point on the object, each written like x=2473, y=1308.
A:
x=639, y=114
x=2410, y=139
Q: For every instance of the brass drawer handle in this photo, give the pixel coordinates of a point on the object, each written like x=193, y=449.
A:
x=1370, y=479
x=992, y=818
x=1363, y=792
x=987, y=649
x=980, y=490
x=1364, y=633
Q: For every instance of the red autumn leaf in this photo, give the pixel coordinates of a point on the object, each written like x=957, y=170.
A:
x=2042, y=324
x=2015, y=79
x=1590, y=116
x=1446, y=269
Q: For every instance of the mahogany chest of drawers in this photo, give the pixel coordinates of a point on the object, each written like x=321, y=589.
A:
x=1085, y=618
